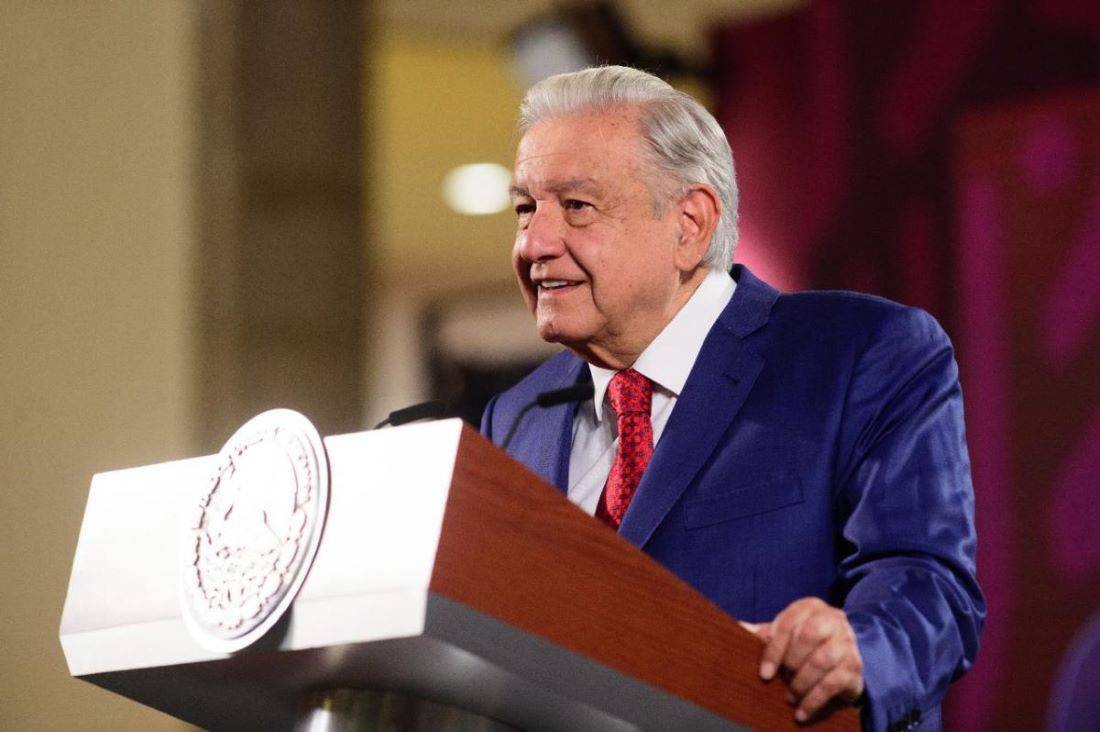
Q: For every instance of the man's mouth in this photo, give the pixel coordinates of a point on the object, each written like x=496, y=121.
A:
x=556, y=286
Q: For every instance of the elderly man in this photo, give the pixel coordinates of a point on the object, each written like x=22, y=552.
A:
x=799, y=459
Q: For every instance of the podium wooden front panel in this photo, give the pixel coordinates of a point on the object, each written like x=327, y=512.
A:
x=447, y=571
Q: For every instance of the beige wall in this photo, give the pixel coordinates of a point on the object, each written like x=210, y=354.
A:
x=95, y=304
x=433, y=104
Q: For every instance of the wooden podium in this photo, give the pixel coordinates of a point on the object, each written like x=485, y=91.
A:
x=446, y=572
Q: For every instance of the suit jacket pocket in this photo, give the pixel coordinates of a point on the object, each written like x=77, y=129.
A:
x=761, y=497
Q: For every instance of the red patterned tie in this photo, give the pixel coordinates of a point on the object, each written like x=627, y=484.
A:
x=631, y=395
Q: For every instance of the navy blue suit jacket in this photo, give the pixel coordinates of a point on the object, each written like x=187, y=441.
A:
x=817, y=449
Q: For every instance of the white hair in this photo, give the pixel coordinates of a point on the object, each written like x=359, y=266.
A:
x=683, y=139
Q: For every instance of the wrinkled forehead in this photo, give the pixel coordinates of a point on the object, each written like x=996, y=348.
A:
x=581, y=146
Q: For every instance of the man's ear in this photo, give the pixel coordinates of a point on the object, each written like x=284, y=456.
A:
x=699, y=210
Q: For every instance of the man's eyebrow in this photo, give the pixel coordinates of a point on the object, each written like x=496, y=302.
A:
x=586, y=185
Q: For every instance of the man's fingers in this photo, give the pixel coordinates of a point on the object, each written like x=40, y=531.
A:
x=810, y=634
x=841, y=683
x=782, y=628
x=816, y=644
x=763, y=631
x=774, y=650
x=821, y=662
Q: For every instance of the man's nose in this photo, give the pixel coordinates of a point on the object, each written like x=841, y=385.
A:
x=544, y=236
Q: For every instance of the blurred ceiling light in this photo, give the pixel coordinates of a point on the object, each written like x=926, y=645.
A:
x=577, y=35
x=477, y=189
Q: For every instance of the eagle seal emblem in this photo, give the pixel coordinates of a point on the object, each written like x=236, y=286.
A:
x=253, y=530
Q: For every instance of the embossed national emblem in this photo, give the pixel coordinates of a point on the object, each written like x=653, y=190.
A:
x=254, y=530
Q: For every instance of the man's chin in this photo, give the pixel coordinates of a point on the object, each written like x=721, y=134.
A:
x=550, y=334
x=555, y=332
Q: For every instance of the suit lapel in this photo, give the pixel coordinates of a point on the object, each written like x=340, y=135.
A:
x=720, y=381
x=544, y=454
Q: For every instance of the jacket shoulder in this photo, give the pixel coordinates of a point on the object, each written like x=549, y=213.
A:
x=558, y=371
x=857, y=314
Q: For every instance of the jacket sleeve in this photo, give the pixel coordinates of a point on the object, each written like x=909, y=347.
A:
x=907, y=506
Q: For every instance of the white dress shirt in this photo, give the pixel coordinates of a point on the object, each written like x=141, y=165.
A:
x=667, y=362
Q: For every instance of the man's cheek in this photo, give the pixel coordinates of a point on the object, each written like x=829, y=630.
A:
x=530, y=294
x=527, y=288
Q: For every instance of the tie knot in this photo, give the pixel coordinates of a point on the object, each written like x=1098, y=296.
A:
x=630, y=393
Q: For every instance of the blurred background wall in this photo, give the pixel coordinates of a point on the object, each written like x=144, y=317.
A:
x=97, y=306
x=208, y=208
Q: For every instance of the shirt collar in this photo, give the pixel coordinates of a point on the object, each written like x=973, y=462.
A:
x=668, y=359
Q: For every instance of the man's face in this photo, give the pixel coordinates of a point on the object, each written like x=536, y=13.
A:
x=595, y=263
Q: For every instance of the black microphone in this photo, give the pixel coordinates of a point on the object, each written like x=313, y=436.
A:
x=424, y=410
x=575, y=393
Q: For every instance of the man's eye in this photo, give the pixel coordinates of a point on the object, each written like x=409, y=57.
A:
x=573, y=204
x=524, y=209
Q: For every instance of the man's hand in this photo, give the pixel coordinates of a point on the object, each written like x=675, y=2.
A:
x=816, y=647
